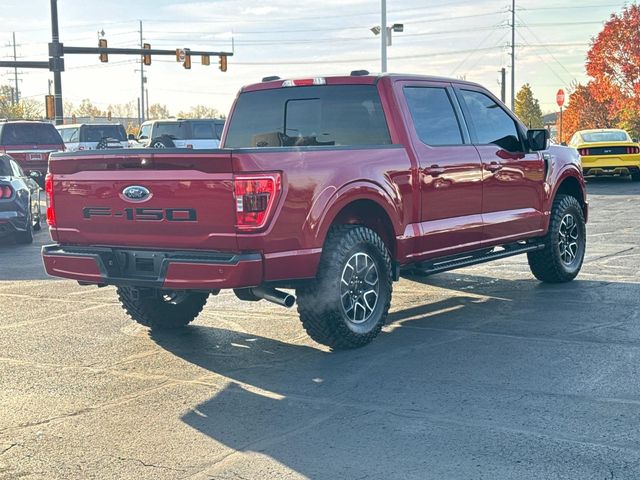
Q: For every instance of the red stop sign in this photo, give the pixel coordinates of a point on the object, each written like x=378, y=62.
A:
x=560, y=98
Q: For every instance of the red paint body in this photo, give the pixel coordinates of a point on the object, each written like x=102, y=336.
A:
x=480, y=196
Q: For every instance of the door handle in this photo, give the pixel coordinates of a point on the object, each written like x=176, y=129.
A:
x=434, y=170
x=493, y=167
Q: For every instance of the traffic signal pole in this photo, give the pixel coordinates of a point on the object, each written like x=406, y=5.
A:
x=57, y=63
x=142, y=111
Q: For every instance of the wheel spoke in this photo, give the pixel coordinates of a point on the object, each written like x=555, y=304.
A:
x=359, y=287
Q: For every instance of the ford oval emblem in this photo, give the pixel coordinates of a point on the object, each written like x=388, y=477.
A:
x=136, y=193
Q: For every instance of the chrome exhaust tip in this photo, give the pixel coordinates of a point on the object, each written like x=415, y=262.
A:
x=275, y=296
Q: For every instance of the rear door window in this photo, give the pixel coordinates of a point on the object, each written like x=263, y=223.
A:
x=335, y=115
x=203, y=131
x=30, y=134
x=434, y=117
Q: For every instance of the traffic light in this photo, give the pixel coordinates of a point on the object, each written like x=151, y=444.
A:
x=102, y=43
x=50, y=107
x=206, y=60
x=187, y=59
x=146, y=59
x=223, y=63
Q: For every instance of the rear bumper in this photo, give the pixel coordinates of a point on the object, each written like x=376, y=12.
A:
x=615, y=170
x=154, y=269
x=10, y=223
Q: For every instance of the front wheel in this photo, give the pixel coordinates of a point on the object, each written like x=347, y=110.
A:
x=347, y=304
x=161, y=309
x=564, y=245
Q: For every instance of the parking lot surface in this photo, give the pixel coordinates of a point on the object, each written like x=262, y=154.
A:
x=482, y=373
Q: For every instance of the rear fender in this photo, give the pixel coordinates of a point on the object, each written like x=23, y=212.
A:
x=331, y=202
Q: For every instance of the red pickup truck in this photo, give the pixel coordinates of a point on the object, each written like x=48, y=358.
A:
x=331, y=186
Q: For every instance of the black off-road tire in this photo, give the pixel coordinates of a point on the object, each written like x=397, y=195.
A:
x=548, y=264
x=162, y=142
x=635, y=175
x=26, y=237
x=157, y=309
x=320, y=302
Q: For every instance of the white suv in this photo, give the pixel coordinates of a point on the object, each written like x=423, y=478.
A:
x=93, y=136
x=181, y=133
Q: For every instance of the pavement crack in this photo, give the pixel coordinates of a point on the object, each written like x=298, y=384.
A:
x=9, y=448
x=152, y=465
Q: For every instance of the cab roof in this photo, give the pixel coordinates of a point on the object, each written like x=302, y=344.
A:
x=355, y=78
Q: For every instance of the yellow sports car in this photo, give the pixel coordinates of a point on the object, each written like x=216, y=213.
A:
x=608, y=152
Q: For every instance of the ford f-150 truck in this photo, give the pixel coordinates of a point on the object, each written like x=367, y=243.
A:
x=330, y=186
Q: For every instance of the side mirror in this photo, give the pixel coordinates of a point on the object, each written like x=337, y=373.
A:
x=538, y=139
x=131, y=136
x=635, y=140
x=35, y=175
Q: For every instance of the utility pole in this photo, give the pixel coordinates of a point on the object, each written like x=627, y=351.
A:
x=16, y=96
x=142, y=111
x=146, y=94
x=383, y=36
x=513, y=54
x=503, y=86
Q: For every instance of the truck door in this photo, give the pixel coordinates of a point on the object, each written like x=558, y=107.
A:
x=513, y=179
x=450, y=171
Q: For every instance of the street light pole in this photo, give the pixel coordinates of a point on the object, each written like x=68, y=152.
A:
x=383, y=36
x=56, y=57
x=142, y=110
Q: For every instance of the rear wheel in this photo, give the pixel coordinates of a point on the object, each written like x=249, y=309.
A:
x=25, y=237
x=564, y=245
x=161, y=309
x=635, y=175
x=347, y=304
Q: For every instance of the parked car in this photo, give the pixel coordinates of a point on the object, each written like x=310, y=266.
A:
x=93, y=136
x=19, y=201
x=608, y=151
x=181, y=133
x=30, y=143
x=334, y=187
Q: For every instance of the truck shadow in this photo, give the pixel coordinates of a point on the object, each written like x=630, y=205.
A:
x=338, y=415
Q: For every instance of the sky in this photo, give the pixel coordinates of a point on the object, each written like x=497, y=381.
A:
x=453, y=38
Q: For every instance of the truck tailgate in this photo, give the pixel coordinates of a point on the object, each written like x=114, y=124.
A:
x=172, y=200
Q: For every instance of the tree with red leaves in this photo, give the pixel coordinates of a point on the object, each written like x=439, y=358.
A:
x=585, y=111
x=614, y=63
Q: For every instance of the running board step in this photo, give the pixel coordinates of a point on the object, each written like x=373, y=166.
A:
x=466, y=260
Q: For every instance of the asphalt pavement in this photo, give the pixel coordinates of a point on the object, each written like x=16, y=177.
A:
x=482, y=373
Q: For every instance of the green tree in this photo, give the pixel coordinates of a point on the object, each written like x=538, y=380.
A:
x=202, y=111
x=527, y=108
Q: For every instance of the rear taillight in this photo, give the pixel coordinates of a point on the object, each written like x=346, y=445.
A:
x=255, y=197
x=583, y=152
x=48, y=189
x=633, y=150
x=5, y=192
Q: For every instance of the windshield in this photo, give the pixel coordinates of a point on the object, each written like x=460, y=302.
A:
x=337, y=115
x=615, y=136
x=95, y=133
x=30, y=134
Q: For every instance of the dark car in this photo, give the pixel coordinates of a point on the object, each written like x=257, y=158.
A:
x=29, y=144
x=19, y=201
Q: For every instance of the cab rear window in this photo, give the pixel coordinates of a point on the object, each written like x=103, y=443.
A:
x=29, y=134
x=332, y=115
